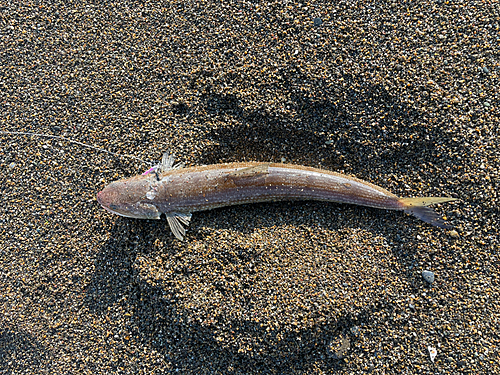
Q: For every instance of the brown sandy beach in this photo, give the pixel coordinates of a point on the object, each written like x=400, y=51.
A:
x=403, y=95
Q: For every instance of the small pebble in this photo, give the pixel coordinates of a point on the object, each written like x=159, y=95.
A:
x=428, y=276
x=454, y=233
x=318, y=21
x=12, y=165
x=432, y=353
x=355, y=330
x=486, y=70
x=339, y=347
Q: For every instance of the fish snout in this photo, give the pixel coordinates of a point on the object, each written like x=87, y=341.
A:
x=108, y=199
x=104, y=198
x=99, y=197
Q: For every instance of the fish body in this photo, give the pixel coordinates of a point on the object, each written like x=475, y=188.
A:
x=177, y=192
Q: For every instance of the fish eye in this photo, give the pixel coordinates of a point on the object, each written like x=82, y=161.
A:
x=113, y=206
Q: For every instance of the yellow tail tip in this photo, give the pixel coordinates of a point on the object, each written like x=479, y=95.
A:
x=425, y=201
x=418, y=207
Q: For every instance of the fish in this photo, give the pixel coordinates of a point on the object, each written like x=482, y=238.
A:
x=177, y=191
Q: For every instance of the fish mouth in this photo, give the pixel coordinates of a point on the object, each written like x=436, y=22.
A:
x=128, y=214
x=132, y=216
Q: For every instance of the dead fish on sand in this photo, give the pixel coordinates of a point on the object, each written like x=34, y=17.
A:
x=177, y=192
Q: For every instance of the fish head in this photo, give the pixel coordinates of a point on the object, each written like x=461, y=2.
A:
x=130, y=197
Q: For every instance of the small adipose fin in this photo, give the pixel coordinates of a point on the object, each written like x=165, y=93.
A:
x=177, y=221
x=251, y=171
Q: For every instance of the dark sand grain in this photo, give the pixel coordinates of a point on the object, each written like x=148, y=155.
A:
x=404, y=95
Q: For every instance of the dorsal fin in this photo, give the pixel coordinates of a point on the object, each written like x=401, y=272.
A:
x=167, y=163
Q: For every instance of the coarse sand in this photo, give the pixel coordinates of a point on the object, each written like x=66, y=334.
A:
x=402, y=94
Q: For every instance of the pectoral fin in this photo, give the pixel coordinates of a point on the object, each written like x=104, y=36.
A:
x=177, y=221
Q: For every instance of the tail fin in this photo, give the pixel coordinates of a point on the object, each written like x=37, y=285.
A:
x=418, y=207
